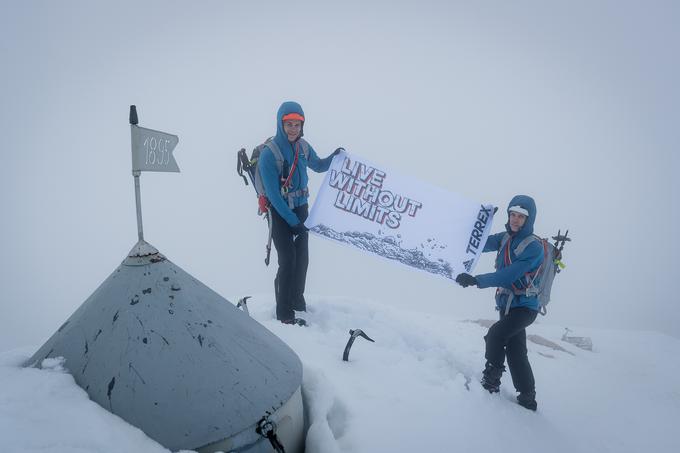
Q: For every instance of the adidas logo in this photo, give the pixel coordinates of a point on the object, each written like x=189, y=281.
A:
x=468, y=265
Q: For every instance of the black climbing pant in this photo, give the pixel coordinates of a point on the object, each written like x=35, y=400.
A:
x=293, y=256
x=508, y=338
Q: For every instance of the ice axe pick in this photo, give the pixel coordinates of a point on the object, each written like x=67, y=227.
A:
x=353, y=334
x=243, y=302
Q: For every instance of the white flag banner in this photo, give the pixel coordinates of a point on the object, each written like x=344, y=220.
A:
x=399, y=218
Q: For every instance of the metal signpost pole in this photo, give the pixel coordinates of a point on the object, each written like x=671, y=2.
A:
x=134, y=120
x=138, y=200
x=151, y=151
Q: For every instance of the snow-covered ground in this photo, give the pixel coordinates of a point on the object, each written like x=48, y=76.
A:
x=414, y=389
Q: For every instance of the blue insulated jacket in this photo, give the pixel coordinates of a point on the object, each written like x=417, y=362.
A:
x=298, y=181
x=527, y=261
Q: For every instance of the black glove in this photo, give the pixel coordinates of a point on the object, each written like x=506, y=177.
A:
x=466, y=280
x=336, y=152
x=299, y=229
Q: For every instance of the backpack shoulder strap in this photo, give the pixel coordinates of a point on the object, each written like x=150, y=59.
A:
x=276, y=151
x=305, y=147
x=525, y=243
x=504, y=240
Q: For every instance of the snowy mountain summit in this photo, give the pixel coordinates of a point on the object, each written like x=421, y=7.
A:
x=415, y=389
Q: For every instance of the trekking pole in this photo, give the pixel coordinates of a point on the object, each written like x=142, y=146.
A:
x=245, y=164
x=560, y=240
x=269, y=238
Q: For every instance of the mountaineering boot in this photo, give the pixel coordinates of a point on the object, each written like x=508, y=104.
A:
x=527, y=400
x=491, y=377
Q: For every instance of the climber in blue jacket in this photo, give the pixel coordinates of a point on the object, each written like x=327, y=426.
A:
x=518, y=258
x=283, y=168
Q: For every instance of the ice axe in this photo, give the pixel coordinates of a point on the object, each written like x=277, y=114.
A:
x=243, y=163
x=353, y=334
x=561, y=239
x=243, y=302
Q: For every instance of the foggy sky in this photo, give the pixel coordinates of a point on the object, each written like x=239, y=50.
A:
x=574, y=103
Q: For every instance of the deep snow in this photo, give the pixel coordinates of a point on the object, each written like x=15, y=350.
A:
x=414, y=389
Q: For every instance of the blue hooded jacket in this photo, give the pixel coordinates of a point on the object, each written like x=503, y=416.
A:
x=299, y=179
x=527, y=261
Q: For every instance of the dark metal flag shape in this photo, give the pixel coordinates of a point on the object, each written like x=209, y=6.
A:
x=152, y=150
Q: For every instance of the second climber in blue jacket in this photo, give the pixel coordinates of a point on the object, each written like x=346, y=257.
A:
x=519, y=256
x=286, y=189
